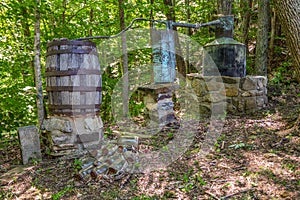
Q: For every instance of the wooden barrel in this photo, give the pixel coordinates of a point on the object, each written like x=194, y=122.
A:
x=73, y=78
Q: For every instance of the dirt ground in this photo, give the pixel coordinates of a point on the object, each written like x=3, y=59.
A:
x=255, y=157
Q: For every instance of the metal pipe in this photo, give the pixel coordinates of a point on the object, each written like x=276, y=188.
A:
x=197, y=25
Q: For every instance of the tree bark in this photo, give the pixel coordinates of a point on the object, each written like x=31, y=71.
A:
x=189, y=33
x=288, y=12
x=224, y=8
x=37, y=66
x=261, y=60
x=247, y=5
x=125, y=98
x=272, y=38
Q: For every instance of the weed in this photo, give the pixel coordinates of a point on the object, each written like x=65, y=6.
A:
x=200, y=181
x=288, y=164
x=61, y=193
x=188, y=187
x=77, y=164
x=6, y=194
x=170, y=135
x=237, y=146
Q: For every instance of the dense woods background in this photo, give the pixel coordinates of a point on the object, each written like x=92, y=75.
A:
x=255, y=157
x=256, y=25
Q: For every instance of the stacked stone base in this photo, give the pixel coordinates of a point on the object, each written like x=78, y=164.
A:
x=73, y=133
x=234, y=95
x=159, y=103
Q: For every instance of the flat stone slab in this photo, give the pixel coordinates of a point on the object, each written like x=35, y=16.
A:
x=160, y=88
x=30, y=143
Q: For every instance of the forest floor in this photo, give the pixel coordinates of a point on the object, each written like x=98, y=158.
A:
x=255, y=157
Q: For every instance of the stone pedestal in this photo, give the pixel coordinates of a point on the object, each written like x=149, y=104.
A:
x=158, y=101
x=241, y=95
x=73, y=133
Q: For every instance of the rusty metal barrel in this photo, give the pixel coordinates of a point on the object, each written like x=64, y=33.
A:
x=229, y=56
x=73, y=78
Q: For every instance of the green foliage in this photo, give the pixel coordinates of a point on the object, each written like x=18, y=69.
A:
x=108, y=84
x=237, y=146
x=280, y=74
x=6, y=194
x=61, y=193
x=75, y=19
x=77, y=164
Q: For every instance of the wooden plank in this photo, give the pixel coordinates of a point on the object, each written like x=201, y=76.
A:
x=64, y=59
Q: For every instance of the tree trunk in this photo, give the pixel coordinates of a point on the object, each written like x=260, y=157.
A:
x=179, y=59
x=91, y=21
x=261, y=60
x=288, y=14
x=247, y=4
x=125, y=98
x=189, y=33
x=224, y=8
x=272, y=38
x=37, y=66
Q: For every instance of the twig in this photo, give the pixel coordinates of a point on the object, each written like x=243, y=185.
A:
x=212, y=195
x=231, y=195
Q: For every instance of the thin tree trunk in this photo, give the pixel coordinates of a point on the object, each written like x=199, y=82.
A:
x=189, y=33
x=247, y=5
x=125, y=97
x=288, y=14
x=272, y=38
x=261, y=54
x=37, y=66
x=91, y=21
x=224, y=8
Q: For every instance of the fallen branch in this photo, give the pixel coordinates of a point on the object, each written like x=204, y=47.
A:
x=240, y=192
x=212, y=195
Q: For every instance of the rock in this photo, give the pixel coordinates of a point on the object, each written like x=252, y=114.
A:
x=205, y=109
x=60, y=139
x=260, y=101
x=250, y=103
x=93, y=124
x=232, y=91
x=60, y=124
x=250, y=93
x=90, y=137
x=30, y=143
x=218, y=109
x=231, y=80
x=214, y=85
x=200, y=87
x=248, y=83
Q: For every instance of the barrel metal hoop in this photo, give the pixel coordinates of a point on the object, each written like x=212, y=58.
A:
x=72, y=51
x=71, y=42
x=71, y=72
x=73, y=113
x=61, y=107
x=73, y=88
